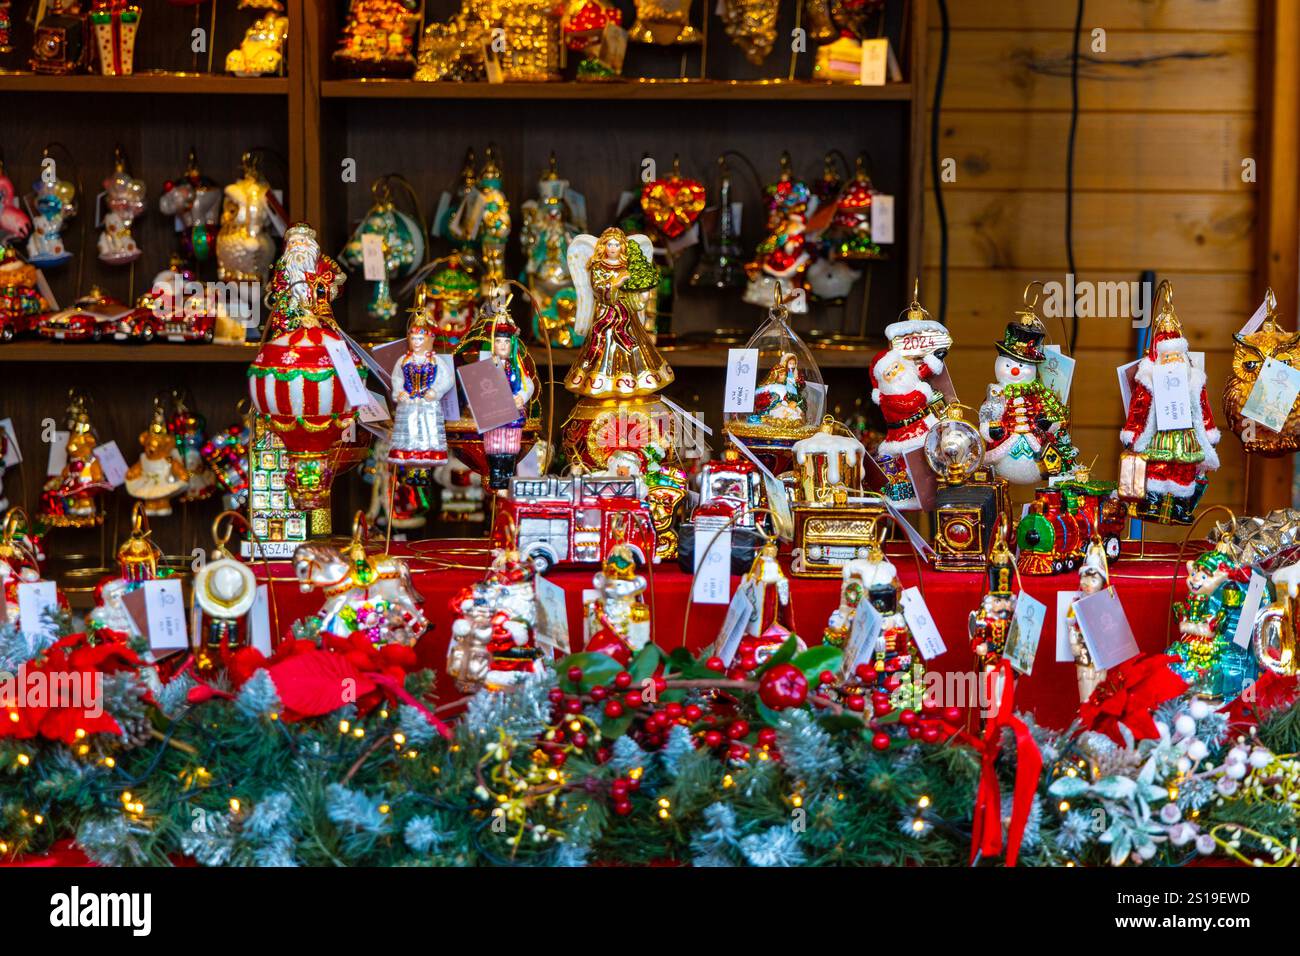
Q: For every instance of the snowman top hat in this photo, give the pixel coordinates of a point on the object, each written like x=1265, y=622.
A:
x=1023, y=339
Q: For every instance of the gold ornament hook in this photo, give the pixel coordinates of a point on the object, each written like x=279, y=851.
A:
x=139, y=521
x=1037, y=286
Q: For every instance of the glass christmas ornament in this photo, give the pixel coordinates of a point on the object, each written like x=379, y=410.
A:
x=226, y=455
x=664, y=23
x=124, y=202
x=594, y=30
x=493, y=636
x=616, y=619
x=1270, y=343
x=751, y=25
x=1211, y=662
x=159, y=475
x=14, y=221
x=990, y=624
x=261, y=52
x=71, y=499
x=549, y=224
x=784, y=254
x=194, y=202
x=378, y=38
x=388, y=244
x=720, y=266
x=849, y=235
x=418, y=440
x=447, y=296
x=1094, y=575
x=672, y=204
x=187, y=428
x=21, y=299
x=60, y=44
x=53, y=204
x=115, y=24
x=953, y=447
x=245, y=247
x=224, y=589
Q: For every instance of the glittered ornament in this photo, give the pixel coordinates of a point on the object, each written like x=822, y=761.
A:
x=751, y=25
x=672, y=204
x=1268, y=344
x=664, y=23
x=115, y=24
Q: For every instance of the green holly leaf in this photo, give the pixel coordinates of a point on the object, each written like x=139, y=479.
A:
x=783, y=653
x=813, y=661
x=682, y=663
x=645, y=662
x=597, y=668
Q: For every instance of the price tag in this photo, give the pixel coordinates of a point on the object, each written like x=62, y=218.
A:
x=1025, y=632
x=1273, y=395
x=742, y=372
x=733, y=626
x=1063, y=601
x=451, y=398
x=864, y=637
x=530, y=465
x=577, y=203
x=1170, y=395
x=691, y=237
x=1057, y=372
x=1126, y=373
x=259, y=621
x=164, y=609
x=58, y=454
x=882, y=218
x=1249, y=609
x=712, y=583
x=1255, y=321
x=36, y=600
x=13, y=454
x=1105, y=628
x=113, y=464
x=372, y=257
x=875, y=62
x=491, y=401
x=346, y=369
x=552, y=616
x=919, y=621
x=376, y=410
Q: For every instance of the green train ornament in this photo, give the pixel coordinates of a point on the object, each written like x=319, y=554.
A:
x=1052, y=537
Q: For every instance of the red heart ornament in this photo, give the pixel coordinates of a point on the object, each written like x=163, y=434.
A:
x=672, y=204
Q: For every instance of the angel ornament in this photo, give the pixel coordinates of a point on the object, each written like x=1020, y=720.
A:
x=419, y=439
x=611, y=275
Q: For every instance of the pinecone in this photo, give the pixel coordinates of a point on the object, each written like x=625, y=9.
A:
x=136, y=731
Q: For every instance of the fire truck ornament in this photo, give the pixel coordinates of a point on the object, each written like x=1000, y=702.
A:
x=730, y=490
x=493, y=637
x=617, y=619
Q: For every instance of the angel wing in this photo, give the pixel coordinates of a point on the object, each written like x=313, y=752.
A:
x=581, y=249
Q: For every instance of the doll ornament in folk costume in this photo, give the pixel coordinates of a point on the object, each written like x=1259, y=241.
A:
x=1025, y=426
x=1270, y=429
x=493, y=639
x=908, y=403
x=1094, y=575
x=158, y=476
x=419, y=437
x=1167, y=457
x=617, y=618
x=1213, y=665
x=293, y=383
x=619, y=371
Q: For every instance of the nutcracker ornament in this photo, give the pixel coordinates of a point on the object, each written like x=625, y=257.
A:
x=388, y=244
x=194, y=202
x=419, y=439
x=1211, y=663
x=493, y=639
x=1279, y=433
x=617, y=618
x=1025, y=426
x=158, y=476
x=1094, y=575
x=294, y=383
x=245, y=247
x=70, y=499
x=115, y=24
x=53, y=204
x=909, y=404
x=989, y=625
x=782, y=257
x=124, y=202
x=1168, y=437
x=550, y=222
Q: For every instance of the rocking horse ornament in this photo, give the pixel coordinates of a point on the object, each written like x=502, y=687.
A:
x=368, y=594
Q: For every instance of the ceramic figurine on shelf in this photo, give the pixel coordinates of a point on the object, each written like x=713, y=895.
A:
x=245, y=247
x=378, y=38
x=1213, y=665
x=1171, y=442
x=617, y=619
x=70, y=499
x=549, y=224
x=594, y=30
x=261, y=52
x=115, y=23
x=419, y=438
x=664, y=23
x=397, y=241
x=53, y=205
x=124, y=200
x=1272, y=429
x=158, y=476
x=493, y=639
x=194, y=201
x=990, y=625
x=783, y=255
x=1094, y=575
x=1025, y=426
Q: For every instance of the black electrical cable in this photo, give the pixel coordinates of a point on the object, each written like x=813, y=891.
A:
x=1069, y=168
x=936, y=177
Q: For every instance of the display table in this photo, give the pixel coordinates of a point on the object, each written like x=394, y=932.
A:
x=442, y=568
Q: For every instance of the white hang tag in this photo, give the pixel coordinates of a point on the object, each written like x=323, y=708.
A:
x=918, y=542
x=373, y=268
x=778, y=499
x=58, y=454
x=1025, y=632
x=1063, y=601
x=1255, y=321
x=577, y=204
x=1273, y=395
x=691, y=237
x=1106, y=629
x=864, y=636
x=376, y=410
x=1126, y=374
x=442, y=216
x=1249, y=609
x=275, y=212
x=164, y=609
x=1057, y=372
x=739, y=612
x=13, y=454
x=882, y=218
x=552, y=616
x=690, y=419
x=925, y=633
x=712, y=582
x=112, y=463
x=259, y=622
x=1169, y=394
x=742, y=372
x=346, y=370
x=36, y=601
x=368, y=359
x=816, y=394
x=451, y=398
x=874, y=69
x=530, y=466
x=737, y=210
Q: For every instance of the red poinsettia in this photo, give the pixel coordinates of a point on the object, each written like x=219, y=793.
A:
x=59, y=695
x=1130, y=695
x=1267, y=694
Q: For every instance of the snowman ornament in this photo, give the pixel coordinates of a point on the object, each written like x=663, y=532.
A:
x=1024, y=424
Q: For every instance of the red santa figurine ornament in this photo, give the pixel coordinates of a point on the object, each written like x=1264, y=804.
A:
x=1169, y=433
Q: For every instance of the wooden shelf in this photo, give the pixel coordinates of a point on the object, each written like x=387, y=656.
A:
x=715, y=356
x=122, y=352
x=682, y=90
x=186, y=83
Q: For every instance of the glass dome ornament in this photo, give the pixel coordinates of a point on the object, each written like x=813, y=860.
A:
x=789, y=394
x=953, y=447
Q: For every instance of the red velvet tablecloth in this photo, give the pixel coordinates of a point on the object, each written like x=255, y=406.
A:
x=1050, y=692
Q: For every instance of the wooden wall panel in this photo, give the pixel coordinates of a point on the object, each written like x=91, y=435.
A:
x=1164, y=15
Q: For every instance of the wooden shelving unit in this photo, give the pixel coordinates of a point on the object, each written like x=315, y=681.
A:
x=187, y=84
x=670, y=90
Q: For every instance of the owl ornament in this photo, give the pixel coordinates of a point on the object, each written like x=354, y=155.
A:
x=1253, y=424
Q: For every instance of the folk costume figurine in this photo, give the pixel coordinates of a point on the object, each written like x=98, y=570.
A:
x=1094, y=575
x=1025, y=426
x=908, y=403
x=158, y=475
x=1213, y=665
x=1170, y=442
x=503, y=444
x=617, y=616
x=419, y=438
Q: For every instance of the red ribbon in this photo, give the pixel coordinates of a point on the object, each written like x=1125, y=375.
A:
x=986, y=826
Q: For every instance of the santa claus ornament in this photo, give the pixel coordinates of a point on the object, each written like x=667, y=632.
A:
x=1025, y=426
x=909, y=404
x=1169, y=434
